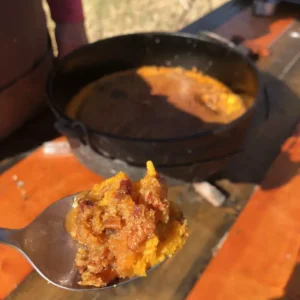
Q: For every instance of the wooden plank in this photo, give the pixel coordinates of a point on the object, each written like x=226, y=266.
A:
x=217, y=17
x=235, y=18
x=259, y=33
x=46, y=179
x=263, y=246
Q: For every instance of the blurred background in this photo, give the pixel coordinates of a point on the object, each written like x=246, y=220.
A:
x=106, y=18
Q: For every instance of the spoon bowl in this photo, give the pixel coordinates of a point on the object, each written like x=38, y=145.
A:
x=50, y=249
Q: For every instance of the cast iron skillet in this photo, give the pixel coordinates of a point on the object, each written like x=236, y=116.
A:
x=207, y=52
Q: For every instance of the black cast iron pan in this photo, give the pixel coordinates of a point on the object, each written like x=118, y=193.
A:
x=207, y=52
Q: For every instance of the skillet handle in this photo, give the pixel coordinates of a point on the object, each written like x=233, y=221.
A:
x=234, y=43
x=77, y=133
x=73, y=130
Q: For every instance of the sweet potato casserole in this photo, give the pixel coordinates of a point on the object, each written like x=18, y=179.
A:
x=156, y=97
x=124, y=228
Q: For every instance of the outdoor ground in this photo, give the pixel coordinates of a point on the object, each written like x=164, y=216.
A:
x=105, y=18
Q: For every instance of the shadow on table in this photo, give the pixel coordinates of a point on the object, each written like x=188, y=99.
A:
x=266, y=136
x=292, y=289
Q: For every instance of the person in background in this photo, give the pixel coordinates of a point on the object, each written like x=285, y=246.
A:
x=26, y=55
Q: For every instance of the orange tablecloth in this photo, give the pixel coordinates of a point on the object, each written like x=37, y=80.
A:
x=46, y=179
x=260, y=259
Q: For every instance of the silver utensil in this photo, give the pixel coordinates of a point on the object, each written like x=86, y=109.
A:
x=50, y=249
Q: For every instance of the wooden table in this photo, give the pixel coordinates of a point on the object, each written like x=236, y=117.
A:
x=260, y=258
x=274, y=122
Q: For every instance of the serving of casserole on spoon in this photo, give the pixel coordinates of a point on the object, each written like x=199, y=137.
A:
x=117, y=231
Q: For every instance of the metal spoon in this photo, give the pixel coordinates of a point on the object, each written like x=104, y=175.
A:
x=50, y=249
